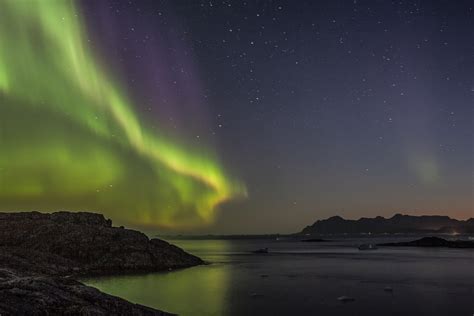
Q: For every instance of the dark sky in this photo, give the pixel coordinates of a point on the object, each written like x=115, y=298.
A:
x=356, y=108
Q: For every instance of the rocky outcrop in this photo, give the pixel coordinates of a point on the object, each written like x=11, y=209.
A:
x=40, y=254
x=397, y=224
x=86, y=243
x=45, y=295
x=432, y=242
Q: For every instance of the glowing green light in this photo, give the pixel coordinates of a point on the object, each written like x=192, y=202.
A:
x=70, y=139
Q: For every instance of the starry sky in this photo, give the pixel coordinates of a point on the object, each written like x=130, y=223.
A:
x=310, y=108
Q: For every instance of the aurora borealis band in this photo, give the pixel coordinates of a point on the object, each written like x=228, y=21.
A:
x=154, y=112
x=71, y=138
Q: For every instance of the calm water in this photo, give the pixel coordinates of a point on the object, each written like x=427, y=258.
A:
x=299, y=278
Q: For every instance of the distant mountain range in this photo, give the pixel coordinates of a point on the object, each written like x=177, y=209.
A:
x=397, y=224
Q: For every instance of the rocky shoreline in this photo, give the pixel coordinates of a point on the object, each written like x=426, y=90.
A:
x=42, y=254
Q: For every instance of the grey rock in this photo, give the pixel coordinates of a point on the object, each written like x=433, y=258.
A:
x=41, y=254
x=45, y=295
x=86, y=243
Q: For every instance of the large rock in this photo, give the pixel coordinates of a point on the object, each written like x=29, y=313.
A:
x=44, y=295
x=41, y=253
x=87, y=243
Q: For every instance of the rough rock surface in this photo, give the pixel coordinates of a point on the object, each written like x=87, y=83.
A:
x=45, y=295
x=87, y=243
x=39, y=253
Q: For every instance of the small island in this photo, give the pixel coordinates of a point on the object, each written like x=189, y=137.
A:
x=42, y=255
x=432, y=242
x=314, y=240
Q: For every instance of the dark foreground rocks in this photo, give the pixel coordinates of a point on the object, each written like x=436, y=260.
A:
x=41, y=254
x=432, y=242
x=46, y=295
x=86, y=243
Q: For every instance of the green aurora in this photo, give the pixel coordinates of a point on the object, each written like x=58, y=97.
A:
x=71, y=139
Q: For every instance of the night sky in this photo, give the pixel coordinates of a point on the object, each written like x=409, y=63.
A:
x=320, y=108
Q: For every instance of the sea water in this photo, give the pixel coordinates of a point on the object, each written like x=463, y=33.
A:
x=307, y=278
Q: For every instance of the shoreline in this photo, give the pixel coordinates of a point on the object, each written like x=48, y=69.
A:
x=43, y=257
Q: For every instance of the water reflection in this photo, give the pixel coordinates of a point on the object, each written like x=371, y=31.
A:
x=306, y=279
x=202, y=290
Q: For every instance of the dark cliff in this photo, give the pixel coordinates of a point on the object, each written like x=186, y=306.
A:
x=39, y=253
